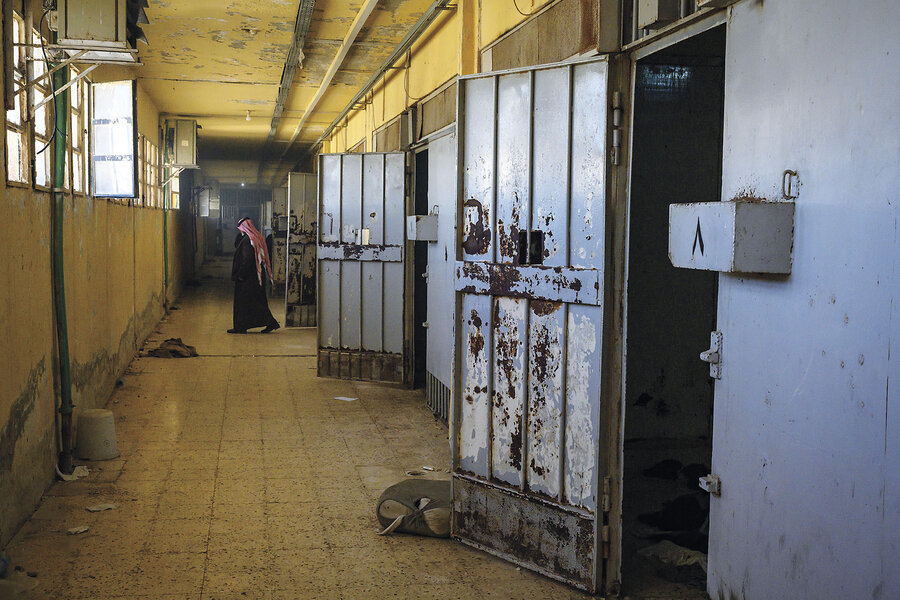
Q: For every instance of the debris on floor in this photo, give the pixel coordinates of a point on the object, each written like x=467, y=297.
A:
x=78, y=530
x=173, y=348
x=101, y=507
x=676, y=563
x=345, y=399
x=79, y=472
x=418, y=506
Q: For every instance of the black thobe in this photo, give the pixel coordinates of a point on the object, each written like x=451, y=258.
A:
x=251, y=307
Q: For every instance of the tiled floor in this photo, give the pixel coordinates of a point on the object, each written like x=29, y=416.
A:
x=242, y=477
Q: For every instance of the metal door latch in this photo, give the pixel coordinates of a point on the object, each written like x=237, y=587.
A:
x=713, y=356
x=712, y=484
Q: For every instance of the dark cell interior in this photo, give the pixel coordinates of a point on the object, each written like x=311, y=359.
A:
x=677, y=156
x=420, y=310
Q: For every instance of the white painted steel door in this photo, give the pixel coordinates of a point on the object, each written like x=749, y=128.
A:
x=530, y=315
x=361, y=253
x=441, y=273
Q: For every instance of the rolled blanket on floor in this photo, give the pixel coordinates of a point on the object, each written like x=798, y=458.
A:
x=419, y=506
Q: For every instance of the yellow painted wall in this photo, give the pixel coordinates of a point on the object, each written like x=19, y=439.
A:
x=27, y=401
x=449, y=47
x=114, y=271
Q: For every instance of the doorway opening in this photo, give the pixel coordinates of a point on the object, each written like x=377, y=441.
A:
x=420, y=269
x=676, y=158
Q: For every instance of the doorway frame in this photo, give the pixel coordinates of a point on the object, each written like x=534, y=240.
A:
x=619, y=214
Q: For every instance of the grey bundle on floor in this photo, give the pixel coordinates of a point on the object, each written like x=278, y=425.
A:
x=173, y=348
x=419, y=506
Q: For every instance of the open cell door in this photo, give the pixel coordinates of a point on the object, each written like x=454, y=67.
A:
x=300, y=251
x=361, y=266
x=528, y=480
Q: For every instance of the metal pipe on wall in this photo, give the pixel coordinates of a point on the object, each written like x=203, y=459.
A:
x=61, y=110
x=418, y=29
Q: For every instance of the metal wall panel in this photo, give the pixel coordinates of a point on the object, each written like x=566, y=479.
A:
x=475, y=375
x=510, y=346
x=531, y=282
x=478, y=131
x=588, y=173
x=329, y=312
x=300, y=292
x=546, y=362
x=551, y=144
x=442, y=178
x=279, y=236
x=582, y=418
x=513, y=164
x=361, y=257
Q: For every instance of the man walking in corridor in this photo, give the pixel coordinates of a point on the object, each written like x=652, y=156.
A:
x=251, y=265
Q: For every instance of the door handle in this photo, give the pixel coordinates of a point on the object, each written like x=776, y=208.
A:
x=713, y=356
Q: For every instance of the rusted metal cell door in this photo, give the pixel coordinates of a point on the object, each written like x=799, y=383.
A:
x=361, y=254
x=300, y=293
x=527, y=480
x=279, y=237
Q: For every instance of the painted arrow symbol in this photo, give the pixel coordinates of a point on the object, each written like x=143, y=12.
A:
x=698, y=238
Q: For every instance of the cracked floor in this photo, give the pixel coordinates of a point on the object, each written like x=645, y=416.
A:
x=241, y=476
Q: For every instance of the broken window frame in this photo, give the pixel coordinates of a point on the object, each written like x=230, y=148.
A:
x=42, y=150
x=17, y=118
x=78, y=139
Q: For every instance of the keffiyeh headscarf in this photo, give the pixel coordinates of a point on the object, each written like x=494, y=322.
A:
x=260, y=250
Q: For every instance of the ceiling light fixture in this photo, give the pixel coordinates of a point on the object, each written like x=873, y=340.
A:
x=248, y=115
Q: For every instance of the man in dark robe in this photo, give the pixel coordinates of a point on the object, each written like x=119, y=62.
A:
x=251, y=264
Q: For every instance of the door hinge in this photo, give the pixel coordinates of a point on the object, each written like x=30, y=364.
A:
x=618, y=115
x=713, y=356
x=712, y=484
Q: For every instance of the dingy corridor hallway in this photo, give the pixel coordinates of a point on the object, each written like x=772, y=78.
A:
x=241, y=476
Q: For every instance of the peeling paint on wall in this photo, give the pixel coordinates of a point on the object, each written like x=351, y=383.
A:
x=19, y=413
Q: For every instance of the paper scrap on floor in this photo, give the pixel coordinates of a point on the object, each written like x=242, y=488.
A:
x=345, y=399
x=79, y=472
x=78, y=530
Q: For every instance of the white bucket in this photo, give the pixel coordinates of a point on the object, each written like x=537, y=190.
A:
x=96, y=438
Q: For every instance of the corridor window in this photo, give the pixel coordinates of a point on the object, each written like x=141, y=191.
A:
x=43, y=128
x=149, y=173
x=78, y=140
x=113, y=168
x=17, y=153
x=175, y=193
x=154, y=192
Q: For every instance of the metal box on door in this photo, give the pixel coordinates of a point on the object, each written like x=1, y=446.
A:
x=300, y=294
x=526, y=426
x=732, y=237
